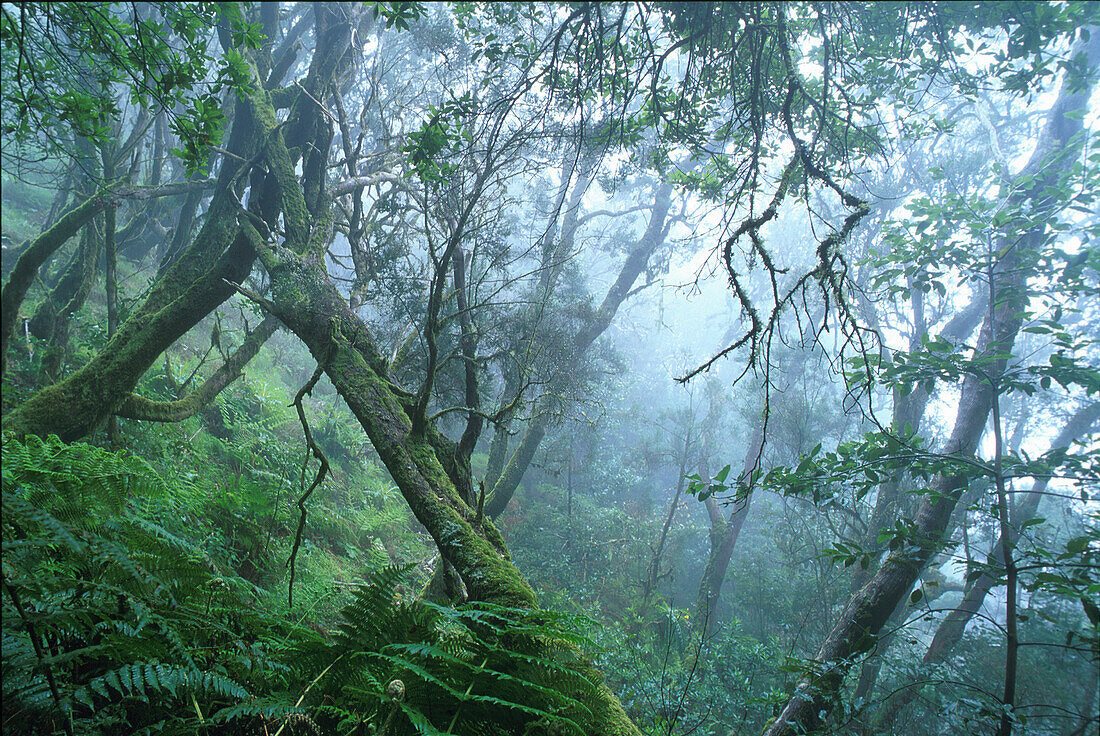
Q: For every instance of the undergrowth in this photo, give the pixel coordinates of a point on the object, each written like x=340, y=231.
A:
x=117, y=619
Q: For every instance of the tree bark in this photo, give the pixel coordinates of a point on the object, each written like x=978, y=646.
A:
x=909, y=410
x=52, y=318
x=649, y=585
x=951, y=629
x=869, y=608
x=552, y=250
x=419, y=458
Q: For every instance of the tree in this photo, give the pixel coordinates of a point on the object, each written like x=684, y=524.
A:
x=747, y=107
x=869, y=608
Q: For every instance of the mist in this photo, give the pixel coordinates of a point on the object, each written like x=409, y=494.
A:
x=584, y=368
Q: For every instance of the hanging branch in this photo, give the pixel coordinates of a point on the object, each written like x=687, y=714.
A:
x=830, y=272
x=311, y=449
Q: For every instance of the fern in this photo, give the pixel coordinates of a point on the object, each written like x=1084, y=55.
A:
x=147, y=633
x=141, y=626
x=474, y=669
x=145, y=680
x=78, y=481
x=269, y=709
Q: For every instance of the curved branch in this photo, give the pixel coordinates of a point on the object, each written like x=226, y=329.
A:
x=139, y=407
x=322, y=471
x=32, y=258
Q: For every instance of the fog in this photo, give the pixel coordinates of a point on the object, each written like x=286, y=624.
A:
x=542, y=368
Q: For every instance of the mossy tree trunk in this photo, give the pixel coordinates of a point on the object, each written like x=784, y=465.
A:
x=138, y=407
x=31, y=260
x=431, y=471
x=195, y=284
x=52, y=317
x=420, y=462
x=75, y=406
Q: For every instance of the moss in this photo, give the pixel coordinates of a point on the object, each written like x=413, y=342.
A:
x=417, y=463
x=31, y=260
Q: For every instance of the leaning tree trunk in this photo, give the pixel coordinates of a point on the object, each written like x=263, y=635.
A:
x=192, y=287
x=868, y=609
x=53, y=316
x=723, y=539
x=75, y=406
x=951, y=629
x=632, y=268
x=909, y=410
x=421, y=460
x=312, y=308
x=418, y=461
x=33, y=256
x=653, y=575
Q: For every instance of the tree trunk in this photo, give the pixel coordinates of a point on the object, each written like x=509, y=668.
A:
x=517, y=465
x=75, y=406
x=909, y=410
x=32, y=258
x=723, y=540
x=53, y=316
x=951, y=629
x=312, y=308
x=649, y=585
x=421, y=461
x=193, y=286
x=498, y=446
x=869, y=608
x=632, y=268
x=138, y=407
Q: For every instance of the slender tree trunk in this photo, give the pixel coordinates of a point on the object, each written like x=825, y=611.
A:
x=1012, y=637
x=632, y=268
x=498, y=446
x=504, y=472
x=909, y=411
x=869, y=608
x=654, y=572
x=53, y=316
x=518, y=463
x=182, y=232
x=67, y=286
x=951, y=629
x=419, y=458
x=138, y=407
x=110, y=272
x=61, y=199
x=723, y=539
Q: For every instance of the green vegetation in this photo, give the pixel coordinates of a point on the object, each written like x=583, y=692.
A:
x=529, y=369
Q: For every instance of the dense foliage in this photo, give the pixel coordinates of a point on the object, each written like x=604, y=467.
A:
x=565, y=368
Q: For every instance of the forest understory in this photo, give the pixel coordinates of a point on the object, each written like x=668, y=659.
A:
x=677, y=369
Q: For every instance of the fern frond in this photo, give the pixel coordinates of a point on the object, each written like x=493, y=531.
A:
x=266, y=708
x=143, y=680
x=24, y=515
